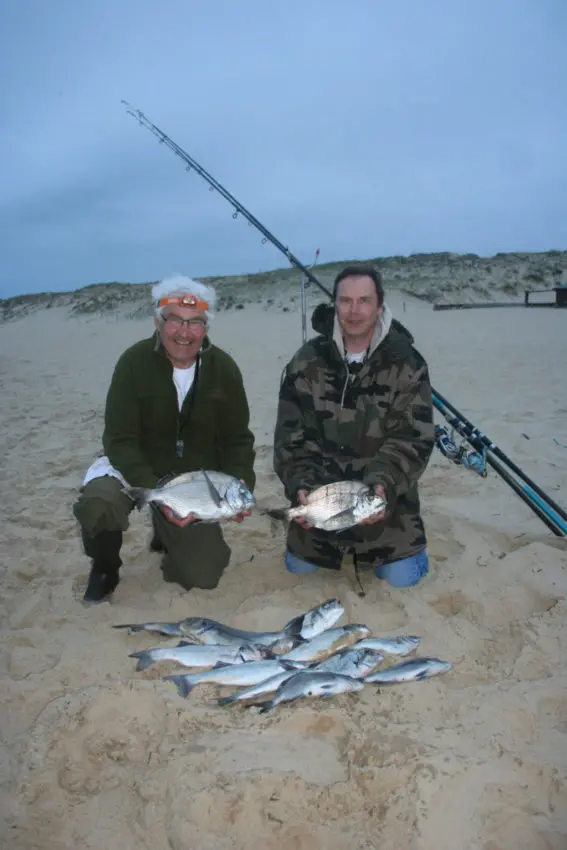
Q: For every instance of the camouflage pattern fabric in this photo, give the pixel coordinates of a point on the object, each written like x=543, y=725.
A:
x=371, y=422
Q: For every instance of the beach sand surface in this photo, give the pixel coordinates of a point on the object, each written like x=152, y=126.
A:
x=96, y=755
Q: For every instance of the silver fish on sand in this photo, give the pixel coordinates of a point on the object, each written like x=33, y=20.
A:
x=243, y=675
x=327, y=643
x=310, y=683
x=211, y=496
x=210, y=632
x=202, y=630
x=354, y=662
x=316, y=620
x=267, y=686
x=402, y=645
x=195, y=655
x=334, y=507
x=416, y=670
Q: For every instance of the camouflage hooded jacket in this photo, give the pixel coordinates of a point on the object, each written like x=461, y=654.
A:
x=372, y=422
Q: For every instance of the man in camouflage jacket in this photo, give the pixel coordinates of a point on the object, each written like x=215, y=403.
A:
x=355, y=402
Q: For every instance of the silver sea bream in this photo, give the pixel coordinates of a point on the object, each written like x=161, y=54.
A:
x=334, y=507
x=210, y=496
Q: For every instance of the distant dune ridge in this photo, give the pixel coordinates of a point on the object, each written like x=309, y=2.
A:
x=436, y=278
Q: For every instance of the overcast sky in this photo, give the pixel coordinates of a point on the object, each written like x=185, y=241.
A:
x=363, y=128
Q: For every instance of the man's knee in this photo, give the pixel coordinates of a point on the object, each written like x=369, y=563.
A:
x=102, y=506
x=196, y=556
x=298, y=566
x=406, y=572
x=307, y=551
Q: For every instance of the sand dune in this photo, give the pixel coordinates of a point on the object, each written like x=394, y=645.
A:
x=96, y=755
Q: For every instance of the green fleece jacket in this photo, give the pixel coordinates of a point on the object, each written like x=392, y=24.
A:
x=143, y=425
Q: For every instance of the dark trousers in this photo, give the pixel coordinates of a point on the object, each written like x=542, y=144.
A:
x=196, y=556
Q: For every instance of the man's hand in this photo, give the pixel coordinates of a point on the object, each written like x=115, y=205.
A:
x=174, y=519
x=302, y=499
x=239, y=517
x=381, y=493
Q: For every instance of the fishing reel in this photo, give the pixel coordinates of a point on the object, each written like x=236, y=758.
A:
x=461, y=455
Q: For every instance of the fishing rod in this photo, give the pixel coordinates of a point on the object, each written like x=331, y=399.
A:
x=446, y=408
x=214, y=184
x=471, y=432
x=538, y=506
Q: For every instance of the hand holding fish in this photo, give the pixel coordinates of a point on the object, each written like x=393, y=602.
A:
x=380, y=492
x=302, y=500
x=172, y=517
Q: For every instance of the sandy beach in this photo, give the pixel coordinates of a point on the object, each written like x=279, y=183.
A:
x=95, y=755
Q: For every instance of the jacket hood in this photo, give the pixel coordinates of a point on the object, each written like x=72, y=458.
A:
x=323, y=322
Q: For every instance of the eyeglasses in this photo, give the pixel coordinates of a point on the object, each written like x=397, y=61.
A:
x=178, y=322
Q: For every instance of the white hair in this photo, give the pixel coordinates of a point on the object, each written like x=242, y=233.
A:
x=180, y=285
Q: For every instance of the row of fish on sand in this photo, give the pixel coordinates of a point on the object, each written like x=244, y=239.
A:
x=309, y=657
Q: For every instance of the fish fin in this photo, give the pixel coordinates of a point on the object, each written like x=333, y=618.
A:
x=145, y=659
x=264, y=706
x=221, y=664
x=139, y=495
x=339, y=515
x=213, y=492
x=227, y=700
x=134, y=627
x=421, y=677
x=186, y=642
x=183, y=686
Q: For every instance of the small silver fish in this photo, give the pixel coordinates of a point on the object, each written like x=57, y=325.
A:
x=267, y=686
x=243, y=675
x=416, y=670
x=316, y=620
x=310, y=683
x=354, y=662
x=327, y=643
x=334, y=507
x=209, y=632
x=403, y=645
x=195, y=655
x=211, y=496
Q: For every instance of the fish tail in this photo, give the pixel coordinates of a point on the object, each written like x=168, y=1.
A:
x=134, y=627
x=184, y=687
x=145, y=659
x=139, y=495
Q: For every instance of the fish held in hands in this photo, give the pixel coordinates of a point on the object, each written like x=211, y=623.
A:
x=208, y=495
x=334, y=507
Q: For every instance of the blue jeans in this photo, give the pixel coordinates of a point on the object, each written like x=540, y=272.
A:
x=405, y=573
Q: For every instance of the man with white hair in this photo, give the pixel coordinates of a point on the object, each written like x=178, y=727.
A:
x=176, y=403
